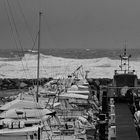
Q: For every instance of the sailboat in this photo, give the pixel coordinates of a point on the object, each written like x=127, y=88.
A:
x=25, y=123
x=21, y=121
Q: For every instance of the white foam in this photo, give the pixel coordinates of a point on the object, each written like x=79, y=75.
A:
x=60, y=67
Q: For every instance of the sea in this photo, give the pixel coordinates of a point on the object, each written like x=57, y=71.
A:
x=59, y=63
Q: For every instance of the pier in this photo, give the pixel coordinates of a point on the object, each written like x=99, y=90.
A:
x=124, y=123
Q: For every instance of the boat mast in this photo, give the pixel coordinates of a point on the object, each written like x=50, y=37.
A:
x=125, y=59
x=38, y=62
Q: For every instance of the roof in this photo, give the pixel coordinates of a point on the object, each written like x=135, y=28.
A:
x=83, y=92
x=20, y=104
x=73, y=95
x=28, y=113
x=21, y=131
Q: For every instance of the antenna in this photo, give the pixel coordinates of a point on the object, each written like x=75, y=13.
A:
x=38, y=63
x=125, y=44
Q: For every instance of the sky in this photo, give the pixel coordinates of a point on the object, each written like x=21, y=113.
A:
x=96, y=24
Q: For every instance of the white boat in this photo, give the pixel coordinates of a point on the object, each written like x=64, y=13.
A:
x=86, y=92
x=73, y=95
x=20, y=112
x=27, y=133
x=20, y=104
x=25, y=113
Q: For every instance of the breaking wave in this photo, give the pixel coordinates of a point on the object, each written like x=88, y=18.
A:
x=52, y=66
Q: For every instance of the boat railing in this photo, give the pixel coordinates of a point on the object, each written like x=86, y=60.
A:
x=68, y=113
x=115, y=91
x=124, y=72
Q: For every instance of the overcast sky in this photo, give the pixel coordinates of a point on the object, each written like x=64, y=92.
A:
x=72, y=23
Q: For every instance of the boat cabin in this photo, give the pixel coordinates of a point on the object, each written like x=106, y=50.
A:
x=124, y=78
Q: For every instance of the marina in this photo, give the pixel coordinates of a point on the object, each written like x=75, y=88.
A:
x=76, y=108
x=57, y=83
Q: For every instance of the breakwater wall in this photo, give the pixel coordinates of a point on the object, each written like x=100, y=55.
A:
x=8, y=83
x=21, y=83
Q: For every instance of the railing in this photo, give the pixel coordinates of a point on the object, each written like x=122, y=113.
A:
x=124, y=72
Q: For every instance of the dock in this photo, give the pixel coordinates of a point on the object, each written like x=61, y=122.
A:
x=124, y=123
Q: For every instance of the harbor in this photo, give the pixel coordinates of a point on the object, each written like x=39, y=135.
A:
x=77, y=108
x=65, y=73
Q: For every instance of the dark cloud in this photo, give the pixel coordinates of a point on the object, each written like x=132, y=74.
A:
x=73, y=23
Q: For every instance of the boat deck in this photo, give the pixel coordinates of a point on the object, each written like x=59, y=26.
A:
x=124, y=123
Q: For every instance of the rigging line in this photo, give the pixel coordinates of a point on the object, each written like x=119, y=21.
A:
x=82, y=73
x=44, y=67
x=39, y=111
x=20, y=43
x=17, y=33
x=34, y=47
x=67, y=70
x=11, y=27
x=10, y=24
x=26, y=23
x=27, y=26
x=16, y=30
x=34, y=41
